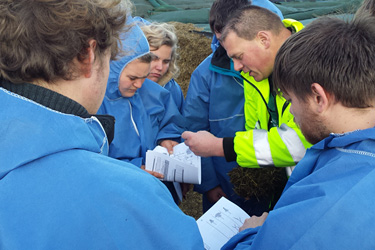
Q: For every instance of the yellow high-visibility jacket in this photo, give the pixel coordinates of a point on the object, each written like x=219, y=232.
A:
x=266, y=141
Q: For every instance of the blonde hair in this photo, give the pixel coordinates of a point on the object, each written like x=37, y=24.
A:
x=367, y=6
x=159, y=34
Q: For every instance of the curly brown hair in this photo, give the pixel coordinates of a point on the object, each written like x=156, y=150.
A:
x=41, y=38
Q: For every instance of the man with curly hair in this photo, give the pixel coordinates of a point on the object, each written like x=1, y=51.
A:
x=58, y=187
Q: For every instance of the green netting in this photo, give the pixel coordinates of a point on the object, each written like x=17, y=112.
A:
x=308, y=10
x=183, y=16
x=154, y=3
x=197, y=11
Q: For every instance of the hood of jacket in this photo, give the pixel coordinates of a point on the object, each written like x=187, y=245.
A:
x=222, y=64
x=134, y=45
x=358, y=142
x=346, y=139
x=31, y=131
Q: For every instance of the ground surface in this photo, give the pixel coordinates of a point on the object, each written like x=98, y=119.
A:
x=192, y=205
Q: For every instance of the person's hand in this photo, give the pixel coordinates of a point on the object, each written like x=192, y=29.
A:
x=204, y=143
x=215, y=194
x=254, y=221
x=156, y=174
x=168, y=144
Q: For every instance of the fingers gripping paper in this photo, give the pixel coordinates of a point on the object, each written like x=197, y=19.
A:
x=182, y=166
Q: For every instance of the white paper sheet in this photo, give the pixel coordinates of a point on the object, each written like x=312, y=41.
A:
x=182, y=166
x=220, y=223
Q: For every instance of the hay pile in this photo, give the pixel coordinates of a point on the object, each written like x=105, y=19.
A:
x=257, y=182
x=192, y=205
x=193, y=49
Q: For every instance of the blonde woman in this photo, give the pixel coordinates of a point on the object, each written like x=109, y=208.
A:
x=163, y=44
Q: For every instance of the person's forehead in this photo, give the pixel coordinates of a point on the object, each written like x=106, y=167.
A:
x=233, y=44
x=137, y=68
x=135, y=63
x=163, y=51
x=231, y=41
x=162, y=47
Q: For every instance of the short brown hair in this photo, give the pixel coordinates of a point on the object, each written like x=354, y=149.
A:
x=40, y=38
x=249, y=20
x=222, y=10
x=338, y=55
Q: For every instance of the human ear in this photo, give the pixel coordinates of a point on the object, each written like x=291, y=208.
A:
x=88, y=62
x=320, y=97
x=264, y=39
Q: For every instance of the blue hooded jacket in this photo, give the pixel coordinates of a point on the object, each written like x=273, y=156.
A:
x=175, y=89
x=143, y=119
x=328, y=202
x=215, y=102
x=59, y=190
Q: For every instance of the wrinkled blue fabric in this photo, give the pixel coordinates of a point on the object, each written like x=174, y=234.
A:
x=268, y=5
x=143, y=119
x=59, y=190
x=174, y=88
x=215, y=102
x=328, y=202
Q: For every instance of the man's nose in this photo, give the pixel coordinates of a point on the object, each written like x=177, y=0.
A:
x=238, y=66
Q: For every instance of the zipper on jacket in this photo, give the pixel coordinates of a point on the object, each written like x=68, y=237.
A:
x=131, y=118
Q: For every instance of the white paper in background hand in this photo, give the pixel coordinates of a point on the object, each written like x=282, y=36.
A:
x=182, y=166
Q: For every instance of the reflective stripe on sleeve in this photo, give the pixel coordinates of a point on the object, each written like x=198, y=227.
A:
x=262, y=147
x=292, y=141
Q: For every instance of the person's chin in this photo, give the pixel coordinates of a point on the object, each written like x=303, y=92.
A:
x=251, y=73
x=129, y=93
x=154, y=78
x=255, y=76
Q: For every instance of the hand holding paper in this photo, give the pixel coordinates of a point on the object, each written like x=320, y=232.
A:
x=182, y=166
x=153, y=173
x=169, y=144
x=220, y=223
